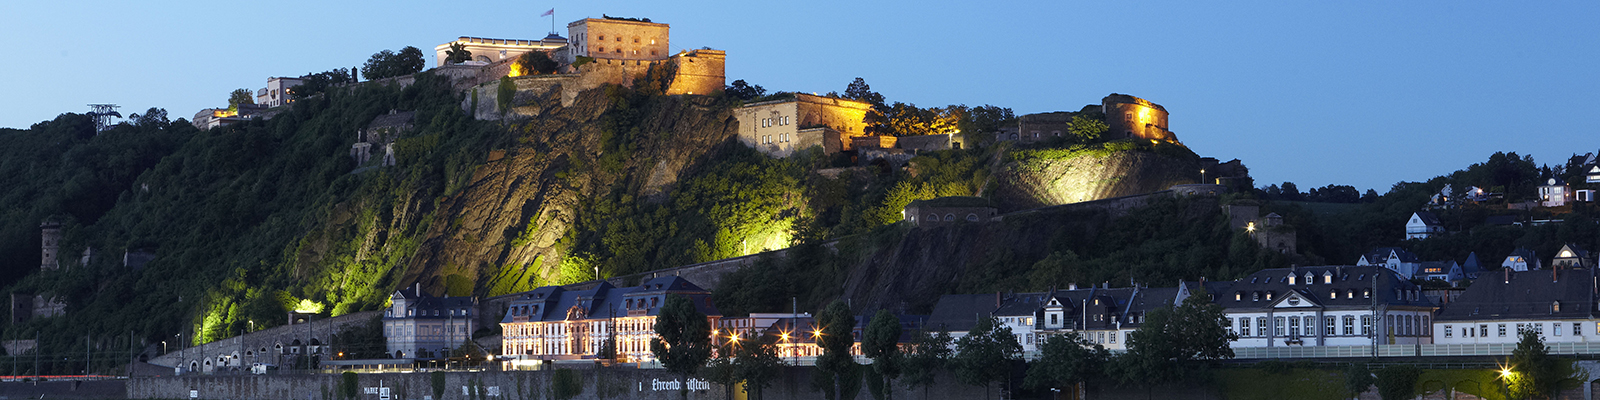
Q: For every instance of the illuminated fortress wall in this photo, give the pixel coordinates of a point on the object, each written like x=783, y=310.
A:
x=1133, y=117
x=1036, y=183
x=698, y=72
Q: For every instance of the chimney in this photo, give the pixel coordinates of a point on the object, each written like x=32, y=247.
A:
x=997, y=299
x=1072, y=286
x=1507, y=271
x=1553, y=277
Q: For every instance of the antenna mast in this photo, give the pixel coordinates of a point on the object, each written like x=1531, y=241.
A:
x=102, y=114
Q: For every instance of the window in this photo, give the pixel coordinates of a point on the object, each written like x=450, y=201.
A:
x=1113, y=337
x=1237, y=296
x=1366, y=293
x=933, y=217
x=1349, y=325
x=1427, y=329
x=1277, y=326
x=1244, y=326
x=1538, y=329
x=636, y=40
x=1269, y=295
x=1555, y=329
x=1327, y=328
x=972, y=217
x=1333, y=295
x=1577, y=329
x=1502, y=330
x=619, y=38
x=1256, y=297
x=1128, y=116
x=1308, y=278
x=600, y=49
x=1261, y=326
x=1294, y=327
x=1350, y=294
x=1555, y=307
x=1447, y=331
x=949, y=217
x=1053, y=319
x=1311, y=326
x=1291, y=279
x=1327, y=277
x=1388, y=325
x=1366, y=325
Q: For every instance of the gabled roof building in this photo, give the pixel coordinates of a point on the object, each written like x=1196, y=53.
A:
x=422, y=327
x=1326, y=306
x=1559, y=304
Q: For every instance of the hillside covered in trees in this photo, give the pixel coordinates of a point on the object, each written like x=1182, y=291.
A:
x=248, y=222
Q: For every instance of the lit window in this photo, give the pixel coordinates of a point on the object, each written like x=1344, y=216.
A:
x=1128, y=116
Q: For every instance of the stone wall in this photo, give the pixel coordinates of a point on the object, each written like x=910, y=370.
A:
x=272, y=345
x=1042, y=182
x=921, y=143
x=698, y=72
x=1133, y=117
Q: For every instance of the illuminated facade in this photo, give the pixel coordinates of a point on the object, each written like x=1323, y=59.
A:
x=1326, y=306
x=422, y=327
x=487, y=50
x=552, y=323
x=617, y=39
x=780, y=127
x=1132, y=117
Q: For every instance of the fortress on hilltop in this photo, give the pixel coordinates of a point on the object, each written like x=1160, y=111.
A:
x=597, y=51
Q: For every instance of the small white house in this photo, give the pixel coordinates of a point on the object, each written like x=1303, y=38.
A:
x=1423, y=224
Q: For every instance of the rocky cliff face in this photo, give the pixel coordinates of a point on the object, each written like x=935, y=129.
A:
x=509, y=220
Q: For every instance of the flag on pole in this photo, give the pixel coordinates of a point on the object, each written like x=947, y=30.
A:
x=548, y=13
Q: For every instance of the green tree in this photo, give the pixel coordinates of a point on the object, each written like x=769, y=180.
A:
x=1396, y=382
x=685, y=334
x=240, y=96
x=1087, y=128
x=349, y=384
x=536, y=63
x=881, y=342
x=720, y=370
x=457, y=54
x=1174, y=343
x=986, y=354
x=757, y=365
x=836, y=368
x=389, y=64
x=744, y=91
x=1535, y=374
x=1065, y=361
x=929, y=353
x=859, y=90
x=1357, y=378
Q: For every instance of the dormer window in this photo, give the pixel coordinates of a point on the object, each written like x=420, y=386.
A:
x=1269, y=295
x=1333, y=295
x=1350, y=294
x=1290, y=278
x=1555, y=307
x=1308, y=278
x=1327, y=277
x=1237, y=296
x=1256, y=297
x=1366, y=293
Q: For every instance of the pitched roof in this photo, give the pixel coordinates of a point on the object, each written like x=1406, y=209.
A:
x=1428, y=217
x=1472, y=266
x=1346, y=280
x=1526, y=295
x=960, y=312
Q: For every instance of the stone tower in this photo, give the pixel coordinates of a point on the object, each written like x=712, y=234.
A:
x=51, y=246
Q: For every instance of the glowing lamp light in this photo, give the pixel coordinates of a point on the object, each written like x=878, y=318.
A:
x=1505, y=372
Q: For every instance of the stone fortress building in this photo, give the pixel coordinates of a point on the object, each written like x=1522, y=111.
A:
x=1126, y=116
x=597, y=51
x=621, y=39
x=780, y=127
x=1134, y=117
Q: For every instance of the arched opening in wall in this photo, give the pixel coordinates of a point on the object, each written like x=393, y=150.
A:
x=193, y=365
x=972, y=217
x=315, y=342
x=144, y=358
x=399, y=354
x=949, y=217
x=933, y=218
x=483, y=59
x=1013, y=136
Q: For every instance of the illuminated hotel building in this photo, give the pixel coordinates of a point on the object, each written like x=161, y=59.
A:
x=552, y=323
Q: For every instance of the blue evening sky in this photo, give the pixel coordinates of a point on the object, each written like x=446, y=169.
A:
x=1365, y=93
